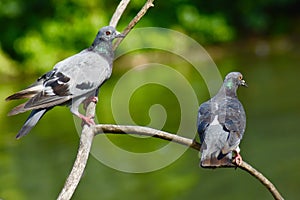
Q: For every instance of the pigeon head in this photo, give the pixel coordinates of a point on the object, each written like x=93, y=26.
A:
x=103, y=40
x=105, y=36
x=108, y=33
x=233, y=80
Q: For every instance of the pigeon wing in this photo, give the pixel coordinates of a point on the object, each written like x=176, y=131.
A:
x=55, y=91
x=204, y=119
x=235, y=124
x=49, y=90
x=87, y=71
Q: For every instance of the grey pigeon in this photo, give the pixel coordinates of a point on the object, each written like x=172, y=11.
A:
x=221, y=125
x=72, y=81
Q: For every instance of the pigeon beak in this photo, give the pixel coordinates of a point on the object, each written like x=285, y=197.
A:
x=243, y=83
x=119, y=35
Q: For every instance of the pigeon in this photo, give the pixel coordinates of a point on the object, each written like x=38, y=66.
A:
x=73, y=81
x=221, y=125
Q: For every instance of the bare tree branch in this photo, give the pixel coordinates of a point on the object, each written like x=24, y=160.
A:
x=118, y=13
x=146, y=131
x=139, y=130
x=85, y=144
x=87, y=136
x=134, y=21
x=268, y=184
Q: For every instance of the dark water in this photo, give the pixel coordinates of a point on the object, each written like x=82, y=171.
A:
x=36, y=166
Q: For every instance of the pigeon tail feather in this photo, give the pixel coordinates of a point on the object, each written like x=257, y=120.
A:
x=21, y=95
x=26, y=93
x=31, y=121
x=211, y=161
x=18, y=109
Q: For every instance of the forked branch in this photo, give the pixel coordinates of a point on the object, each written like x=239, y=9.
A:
x=88, y=133
x=134, y=21
x=87, y=136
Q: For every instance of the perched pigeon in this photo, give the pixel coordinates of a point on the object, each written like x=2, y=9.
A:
x=221, y=125
x=72, y=81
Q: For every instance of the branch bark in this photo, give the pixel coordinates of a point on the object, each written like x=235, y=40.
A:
x=73, y=179
x=145, y=131
x=118, y=13
x=139, y=130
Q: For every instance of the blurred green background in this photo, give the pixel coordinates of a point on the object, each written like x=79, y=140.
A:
x=258, y=38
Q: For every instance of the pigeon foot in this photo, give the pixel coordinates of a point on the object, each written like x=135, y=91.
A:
x=87, y=120
x=238, y=159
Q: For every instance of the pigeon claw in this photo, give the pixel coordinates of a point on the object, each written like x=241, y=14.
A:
x=238, y=159
x=87, y=120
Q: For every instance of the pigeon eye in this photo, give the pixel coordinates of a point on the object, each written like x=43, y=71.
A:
x=240, y=78
x=107, y=32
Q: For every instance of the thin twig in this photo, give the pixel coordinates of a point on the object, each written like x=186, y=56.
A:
x=139, y=130
x=146, y=131
x=118, y=13
x=134, y=21
x=268, y=184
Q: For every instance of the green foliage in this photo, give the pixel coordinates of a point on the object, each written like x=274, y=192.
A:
x=35, y=34
x=56, y=37
x=39, y=33
x=208, y=28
